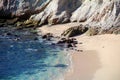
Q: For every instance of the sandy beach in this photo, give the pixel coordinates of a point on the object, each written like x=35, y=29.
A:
x=35, y=36
x=99, y=59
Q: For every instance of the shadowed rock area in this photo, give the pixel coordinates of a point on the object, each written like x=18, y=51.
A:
x=21, y=8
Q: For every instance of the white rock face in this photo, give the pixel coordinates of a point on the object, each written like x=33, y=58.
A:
x=103, y=13
x=10, y=8
x=58, y=11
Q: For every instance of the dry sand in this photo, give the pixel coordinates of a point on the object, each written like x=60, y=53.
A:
x=100, y=59
x=56, y=29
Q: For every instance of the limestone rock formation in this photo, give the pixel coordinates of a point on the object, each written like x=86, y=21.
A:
x=21, y=8
x=102, y=13
x=95, y=13
x=58, y=11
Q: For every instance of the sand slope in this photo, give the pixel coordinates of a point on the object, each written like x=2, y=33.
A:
x=100, y=59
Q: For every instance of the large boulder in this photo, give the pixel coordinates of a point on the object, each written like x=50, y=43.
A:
x=74, y=31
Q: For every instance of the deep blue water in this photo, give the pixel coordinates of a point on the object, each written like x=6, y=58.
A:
x=31, y=60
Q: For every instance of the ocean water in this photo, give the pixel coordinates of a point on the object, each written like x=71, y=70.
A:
x=31, y=60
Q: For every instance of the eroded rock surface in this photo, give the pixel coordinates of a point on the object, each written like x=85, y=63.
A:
x=58, y=11
x=21, y=8
x=98, y=13
x=103, y=13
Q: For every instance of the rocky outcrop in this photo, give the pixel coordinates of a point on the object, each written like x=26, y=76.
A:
x=21, y=8
x=74, y=31
x=95, y=13
x=103, y=13
x=58, y=11
x=100, y=13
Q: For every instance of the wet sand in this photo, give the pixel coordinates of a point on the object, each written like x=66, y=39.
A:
x=84, y=66
x=100, y=59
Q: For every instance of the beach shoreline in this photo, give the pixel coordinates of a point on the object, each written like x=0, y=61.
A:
x=98, y=58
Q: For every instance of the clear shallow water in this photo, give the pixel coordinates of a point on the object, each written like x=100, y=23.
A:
x=31, y=60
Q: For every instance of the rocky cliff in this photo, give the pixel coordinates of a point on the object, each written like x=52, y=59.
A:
x=58, y=11
x=103, y=13
x=21, y=8
x=100, y=13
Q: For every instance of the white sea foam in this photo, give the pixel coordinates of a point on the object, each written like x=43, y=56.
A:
x=70, y=64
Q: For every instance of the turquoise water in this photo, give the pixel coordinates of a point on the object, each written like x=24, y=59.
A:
x=31, y=60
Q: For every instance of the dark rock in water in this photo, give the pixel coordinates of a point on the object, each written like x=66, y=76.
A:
x=8, y=34
x=44, y=36
x=74, y=45
x=75, y=42
x=53, y=44
x=61, y=41
x=36, y=38
x=17, y=35
x=68, y=42
x=69, y=45
x=47, y=36
x=49, y=39
x=16, y=39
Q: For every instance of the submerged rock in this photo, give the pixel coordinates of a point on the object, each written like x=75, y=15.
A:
x=68, y=42
x=47, y=36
